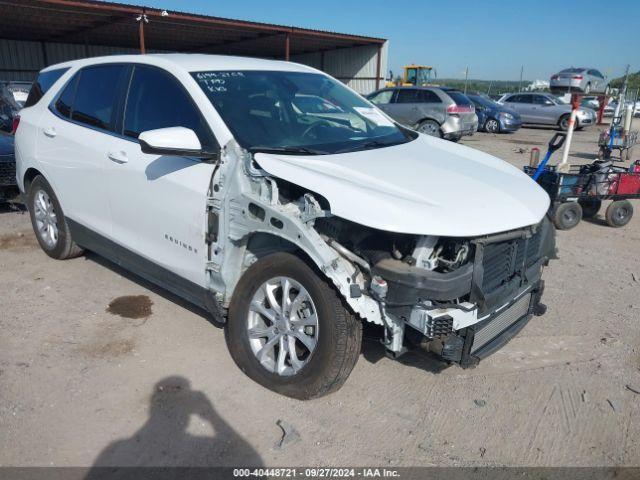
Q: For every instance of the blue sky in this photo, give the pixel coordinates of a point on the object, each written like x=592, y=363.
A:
x=492, y=37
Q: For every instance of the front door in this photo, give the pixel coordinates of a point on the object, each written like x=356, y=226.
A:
x=159, y=202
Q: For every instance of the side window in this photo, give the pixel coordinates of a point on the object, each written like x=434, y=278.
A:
x=427, y=96
x=97, y=94
x=408, y=95
x=598, y=74
x=512, y=99
x=157, y=100
x=382, y=98
x=520, y=99
x=42, y=84
x=65, y=100
x=541, y=100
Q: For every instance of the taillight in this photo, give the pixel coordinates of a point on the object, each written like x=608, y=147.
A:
x=555, y=77
x=456, y=109
x=14, y=125
x=577, y=77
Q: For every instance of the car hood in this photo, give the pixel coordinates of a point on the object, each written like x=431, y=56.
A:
x=427, y=186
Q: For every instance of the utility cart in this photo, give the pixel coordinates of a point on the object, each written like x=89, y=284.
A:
x=622, y=142
x=578, y=193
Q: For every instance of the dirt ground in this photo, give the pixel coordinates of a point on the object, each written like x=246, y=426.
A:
x=98, y=367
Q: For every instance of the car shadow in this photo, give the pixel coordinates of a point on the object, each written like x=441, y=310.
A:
x=164, y=439
x=373, y=351
x=167, y=295
x=12, y=207
x=597, y=220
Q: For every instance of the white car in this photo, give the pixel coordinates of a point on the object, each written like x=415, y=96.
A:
x=199, y=173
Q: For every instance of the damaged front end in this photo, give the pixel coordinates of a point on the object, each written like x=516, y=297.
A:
x=460, y=298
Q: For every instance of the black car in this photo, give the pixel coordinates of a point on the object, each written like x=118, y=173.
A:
x=8, y=109
x=8, y=186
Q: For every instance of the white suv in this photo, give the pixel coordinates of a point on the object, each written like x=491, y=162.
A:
x=287, y=205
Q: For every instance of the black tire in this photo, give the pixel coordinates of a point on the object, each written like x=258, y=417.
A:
x=339, y=332
x=590, y=208
x=567, y=215
x=429, y=127
x=619, y=213
x=63, y=247
x=492, y=125
x=563, y=123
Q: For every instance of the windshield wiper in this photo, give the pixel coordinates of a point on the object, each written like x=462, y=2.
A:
x=287, y=150
x=368, y=146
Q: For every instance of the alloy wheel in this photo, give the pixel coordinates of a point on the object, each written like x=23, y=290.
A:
x=282, y=326
x=46, y=219
x=491, y=126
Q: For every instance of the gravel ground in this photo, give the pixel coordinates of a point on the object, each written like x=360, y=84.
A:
x=88, y=377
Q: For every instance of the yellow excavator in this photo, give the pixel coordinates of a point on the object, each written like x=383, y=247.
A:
x=419, y=75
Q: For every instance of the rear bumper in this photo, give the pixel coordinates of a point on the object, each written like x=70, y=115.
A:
x=456, y=127
x=566, y=84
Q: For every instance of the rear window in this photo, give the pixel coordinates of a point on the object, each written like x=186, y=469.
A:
x=42, y=84
x=459, y=97
x=572, y=70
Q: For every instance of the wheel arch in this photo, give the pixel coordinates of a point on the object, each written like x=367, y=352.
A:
x=338, y=271
x=423, y=119
x=29, y=176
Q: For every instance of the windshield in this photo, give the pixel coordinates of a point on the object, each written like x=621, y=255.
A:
x=296, y=112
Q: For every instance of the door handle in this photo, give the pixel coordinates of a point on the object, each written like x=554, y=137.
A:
x=118, y=157
x=50, y=132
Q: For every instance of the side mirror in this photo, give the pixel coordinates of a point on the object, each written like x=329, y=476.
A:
x=174, y=141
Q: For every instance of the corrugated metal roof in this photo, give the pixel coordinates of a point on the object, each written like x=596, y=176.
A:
x=114, y=24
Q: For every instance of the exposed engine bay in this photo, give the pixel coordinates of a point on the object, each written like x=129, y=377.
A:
x=440, y=287
x=458, y=297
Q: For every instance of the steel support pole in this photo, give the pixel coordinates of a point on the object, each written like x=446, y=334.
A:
x=287, y=46
x=143, y=50
x=378, y=66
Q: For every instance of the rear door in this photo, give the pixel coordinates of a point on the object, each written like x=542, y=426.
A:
x=73, y=136
x=521, y=104
x=159, y=202
x=405, y=106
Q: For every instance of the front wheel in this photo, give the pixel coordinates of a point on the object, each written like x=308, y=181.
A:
x=567, y=215
x=564, y=122
x=492, y=126
x=289, y=331
x=49, y=223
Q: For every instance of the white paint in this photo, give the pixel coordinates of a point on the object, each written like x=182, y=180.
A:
x=428, y=186
x=176, y=138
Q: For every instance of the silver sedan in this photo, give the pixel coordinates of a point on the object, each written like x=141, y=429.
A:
x=585, y=80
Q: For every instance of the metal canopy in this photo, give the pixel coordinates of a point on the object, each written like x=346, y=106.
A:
x=102, y=23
